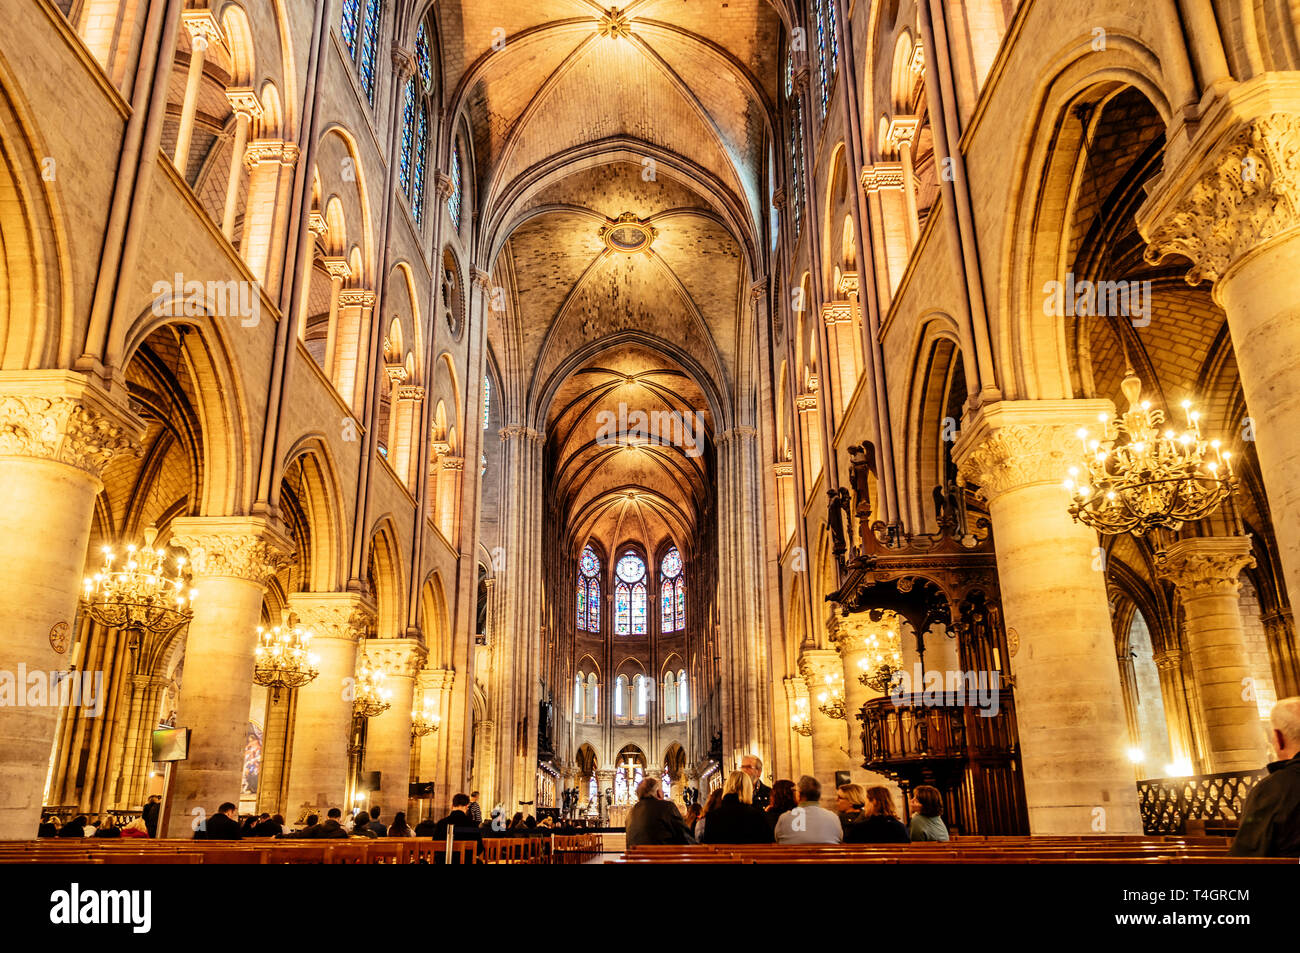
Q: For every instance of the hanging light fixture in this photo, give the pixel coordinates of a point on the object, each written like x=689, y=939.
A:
x=425, y=722
x=831, y=700
x=139, y=591
x=372, y=698
x=283, y=659
x=1140, y=475
x=800, y=722
x=883, y=662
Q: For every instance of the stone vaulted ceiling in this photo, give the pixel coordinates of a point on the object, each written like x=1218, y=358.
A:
x=579, y=114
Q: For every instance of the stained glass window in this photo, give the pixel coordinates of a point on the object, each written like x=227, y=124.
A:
x=453, y=201
x=370, y=48
x=796, y=163
x=630, y=568
x=681, y=603
x=423, y=62
x=421, y=157
x=588, y=590
x=789, y=74
x=622, y=609
x=408, y=138
x=349, y=28
x=639, y=609
x=823, y=73
x=672, y=604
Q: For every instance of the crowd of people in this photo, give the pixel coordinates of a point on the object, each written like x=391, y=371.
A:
x=746, y=811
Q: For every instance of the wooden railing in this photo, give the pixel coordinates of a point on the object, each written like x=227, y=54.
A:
x=1167, y=804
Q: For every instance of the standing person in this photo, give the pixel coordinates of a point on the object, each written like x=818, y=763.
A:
x=752, y=765
x=926, y=824
x=652, y=820
x=399, y=827
x=879, y=823
x=1270, y=821
x=475, y=812
x=150, y=813
x=737, y=820
x=715, y=798
x=375, y=824
x=783, y=799
x=808, y=822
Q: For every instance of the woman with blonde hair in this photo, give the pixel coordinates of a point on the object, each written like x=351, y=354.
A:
x=736, y=820
x=850, y=799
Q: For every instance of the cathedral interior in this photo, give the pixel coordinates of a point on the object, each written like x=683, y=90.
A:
x=404, y=398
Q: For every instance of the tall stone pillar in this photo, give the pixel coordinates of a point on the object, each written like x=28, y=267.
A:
x=232, y=559
x=435, y=686
x=798, y=702
x=1069, y=705
x=902, y=130
x=318, y=766
x=1230, y=202
x=1175, y=694
x=339, y=272
x=203, y=31
x=830, y=735
x=1205, y=573
x=352, y=345
x=270, y=164
x=247, y=107
x=57, y=432
x=388, y=736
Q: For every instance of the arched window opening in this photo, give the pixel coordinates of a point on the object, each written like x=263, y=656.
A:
x=620, y=698
x=592, y=711
x=454, y=200
x=360, y=28
x=670, y=697
x=630, y=596
x=672, y=593
x=588, y=592
x=683, y=706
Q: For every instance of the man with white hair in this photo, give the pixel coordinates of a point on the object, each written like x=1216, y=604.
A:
x=1270, y=821
x=752, y=765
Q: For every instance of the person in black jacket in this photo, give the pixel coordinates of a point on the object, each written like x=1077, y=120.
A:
x=75, y=827
x=223, y=825
x=878, y=823
x=752, y=765
x=736, y=820
x=150, y=813
x=1270, y=821
x=653, y=820
x=329, y=828
x=459, y=824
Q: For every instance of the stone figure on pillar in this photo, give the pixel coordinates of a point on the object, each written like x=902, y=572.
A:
x=837, y=516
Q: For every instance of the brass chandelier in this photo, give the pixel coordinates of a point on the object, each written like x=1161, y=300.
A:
x=425, y=722
x=371, y=698
x=800, y=722
x=831, y=700
x=883, y=663
x=139, y=592
x=283, y=659
x=1140, y=475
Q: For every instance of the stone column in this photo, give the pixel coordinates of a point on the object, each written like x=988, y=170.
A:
x=246, y=106
x=202, y=29
x=352, y=345
x=1205, y=573
x=797, y=701
x=388, y=736
x=1279, y=629
x=404, y=417
x=1175, y=694
x=232, y=559
x=57, y=432
x=1069, y=706
x=339, y=271
x=270, y=165
x=902, y=130
x=829, y=737
x=435, y=686
x=1230, y=202
x=318, y=767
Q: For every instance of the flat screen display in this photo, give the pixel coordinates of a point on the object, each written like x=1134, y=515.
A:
x=171, y=744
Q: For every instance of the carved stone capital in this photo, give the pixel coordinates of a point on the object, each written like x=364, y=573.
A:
x=333, y=615
x=778, y=199
x=452, y=463
x=202, y=28
x=245, y=103
x=758, y=289
x=410, y=392
x=816, y=664
x=849, y=633
x=482, y=279
x=60, y=416
x=1169, y=660
x=433, y=680
x=514, y=431
x=883, y=176
x=397, y=374
x=316, y=224
x=837, y=312
x=1206, y=566
x=804, y=403
x=848, y=283
x=443, y=184
x=783, y=471
x=338, y=269
x=403, y=63
x=902, y=129
x=237, y=547
x=270, y=150
x=356, y=298
x=1237, y=198
x=399, y=658
x=1015, y=444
